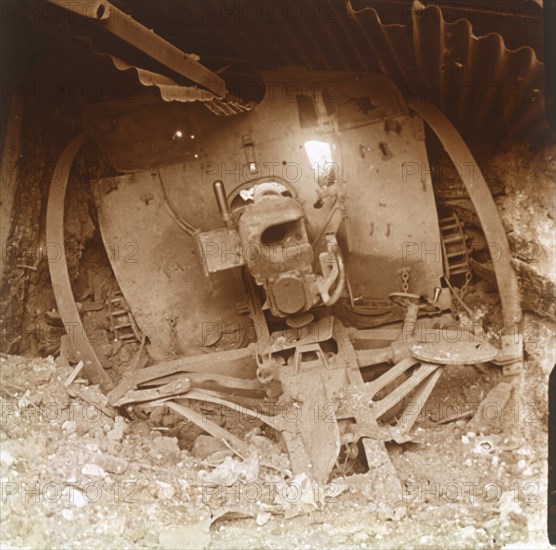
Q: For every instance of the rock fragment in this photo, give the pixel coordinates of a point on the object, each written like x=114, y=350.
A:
x=207, y=445
x=489, y=415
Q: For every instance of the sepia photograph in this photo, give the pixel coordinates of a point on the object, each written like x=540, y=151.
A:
x=277, y=274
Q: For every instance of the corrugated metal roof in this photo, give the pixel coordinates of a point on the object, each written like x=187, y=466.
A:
x=486, y=89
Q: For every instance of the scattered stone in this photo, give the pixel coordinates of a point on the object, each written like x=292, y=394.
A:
x=6, y=457
x=468, y=532
x=112, y=464
x=195, y=536
x=67, y=514
x=74, y=496
x=40, y=376
x=85, y=418
x=207, y=445
x=137, y=533
x=119, y=429
x=263, y=518
x=170, y=419
x=231, y=471
x=140, y=427
x=69, y=426
x=165, y=491
x=57, y=399
x=93, y=470
x=165, y=449
x=301, y=496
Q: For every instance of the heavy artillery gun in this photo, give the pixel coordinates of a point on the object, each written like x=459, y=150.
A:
x=286, y=257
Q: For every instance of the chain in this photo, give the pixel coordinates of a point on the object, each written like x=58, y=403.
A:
x=404, y=272
x=461, y=293
x=465, y=288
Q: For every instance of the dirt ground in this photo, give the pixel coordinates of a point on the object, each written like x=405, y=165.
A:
x=74, y=477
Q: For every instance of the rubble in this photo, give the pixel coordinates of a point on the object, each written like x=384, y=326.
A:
x=195, y=536
x=113, y=495
x=490, y=412
x=207, y=445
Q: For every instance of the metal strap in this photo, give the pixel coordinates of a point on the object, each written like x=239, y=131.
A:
x=59, y=269
x=485, y=207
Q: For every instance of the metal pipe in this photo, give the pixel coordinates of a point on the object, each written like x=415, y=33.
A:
x=109, y=18
x=222, y=202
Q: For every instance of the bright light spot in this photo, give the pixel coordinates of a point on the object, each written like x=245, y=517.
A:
x=196, y=156
x=252, y=167
x=178, y=134
x=319, y=153
x=192, y=136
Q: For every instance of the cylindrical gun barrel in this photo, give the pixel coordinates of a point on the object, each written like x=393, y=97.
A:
x=222, y=202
